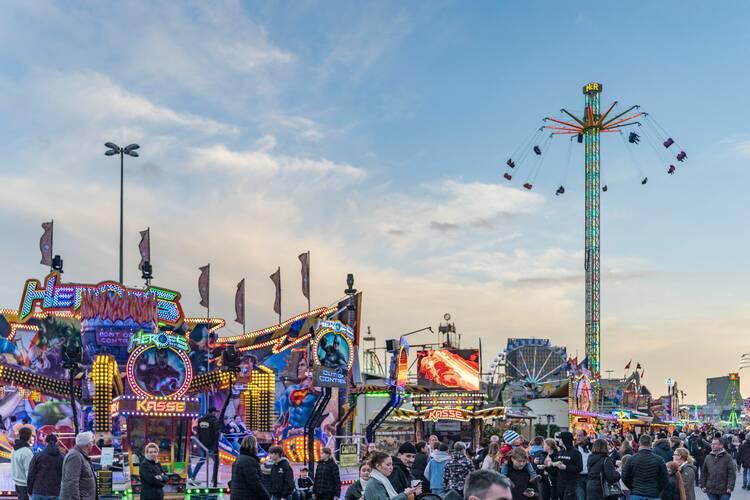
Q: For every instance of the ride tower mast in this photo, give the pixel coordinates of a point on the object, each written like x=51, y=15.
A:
x=588, y=129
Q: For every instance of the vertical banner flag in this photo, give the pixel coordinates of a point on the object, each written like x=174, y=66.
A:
x=203, y=283
x=276, y=278
x=304, y=258
x=144, y=247
x=45, y=243
x=239, y=303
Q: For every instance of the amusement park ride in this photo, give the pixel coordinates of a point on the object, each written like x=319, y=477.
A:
x=587, y=129
x=142, y=372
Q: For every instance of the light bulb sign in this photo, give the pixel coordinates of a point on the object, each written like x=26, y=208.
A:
x=67, y=297
x=333, y=354
x=158, y=365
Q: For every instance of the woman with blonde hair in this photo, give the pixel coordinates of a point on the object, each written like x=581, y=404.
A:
x=490, y=461
x=688, y=470
x=675, y=489
x=152, y=476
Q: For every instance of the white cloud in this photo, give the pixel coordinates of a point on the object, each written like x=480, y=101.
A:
x=307, y=128
x=260, y=162
x=93, y=99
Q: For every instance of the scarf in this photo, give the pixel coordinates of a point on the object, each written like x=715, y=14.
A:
x=378, y=476
x=363, y=483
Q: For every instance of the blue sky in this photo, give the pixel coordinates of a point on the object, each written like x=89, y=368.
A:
x=374, y=135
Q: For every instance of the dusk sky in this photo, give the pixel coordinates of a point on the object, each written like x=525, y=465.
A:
x=375, y=136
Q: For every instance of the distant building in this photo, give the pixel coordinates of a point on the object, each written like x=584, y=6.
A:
x=719, y=398
x=716, y=389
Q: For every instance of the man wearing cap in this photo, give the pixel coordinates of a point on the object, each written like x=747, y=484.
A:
x=401, y=477
x=208, y=434
x=45, y=471
x=79, y=482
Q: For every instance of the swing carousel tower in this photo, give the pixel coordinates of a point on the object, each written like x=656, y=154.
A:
x=587, y=129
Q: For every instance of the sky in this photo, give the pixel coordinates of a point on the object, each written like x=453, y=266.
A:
x=375, y=136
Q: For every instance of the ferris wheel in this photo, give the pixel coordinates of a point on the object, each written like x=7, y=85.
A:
x=536, y=364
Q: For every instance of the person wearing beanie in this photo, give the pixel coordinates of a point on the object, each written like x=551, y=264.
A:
x=79, y=481
x=401, y=477
x=20, y=460
x=45, y=471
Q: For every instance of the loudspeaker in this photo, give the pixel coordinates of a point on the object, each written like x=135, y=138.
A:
x=390, y=345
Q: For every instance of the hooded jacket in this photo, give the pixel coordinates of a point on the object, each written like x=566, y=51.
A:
x=435, y=471
x=689, y=473
x=20, y=460
x=45, y=472
x=572, y=459
x=282, y=479
x=663, y=450
x=456, y=470
x=718, y=474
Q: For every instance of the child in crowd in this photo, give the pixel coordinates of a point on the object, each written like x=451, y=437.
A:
x=304, y=485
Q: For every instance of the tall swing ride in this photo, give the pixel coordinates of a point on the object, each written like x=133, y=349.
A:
x=587, y=130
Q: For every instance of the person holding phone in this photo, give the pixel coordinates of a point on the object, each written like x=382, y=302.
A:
x=379, y=487
x=152, y=475
x=518, y=473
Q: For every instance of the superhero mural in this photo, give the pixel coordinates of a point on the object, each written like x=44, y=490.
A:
x=286, y=351
x=36, y=346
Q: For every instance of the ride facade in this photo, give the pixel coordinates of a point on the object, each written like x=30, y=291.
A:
x=127, y=364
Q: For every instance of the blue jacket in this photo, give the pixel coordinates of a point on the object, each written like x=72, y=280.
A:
x=435, y=470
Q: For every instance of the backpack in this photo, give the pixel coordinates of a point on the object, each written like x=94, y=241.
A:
x=695, y=446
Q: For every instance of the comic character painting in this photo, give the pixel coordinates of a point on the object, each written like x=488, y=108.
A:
x=159, y=372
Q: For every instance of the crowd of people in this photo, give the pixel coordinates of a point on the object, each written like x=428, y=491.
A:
x=570, y=466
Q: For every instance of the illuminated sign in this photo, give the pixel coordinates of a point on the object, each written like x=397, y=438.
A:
x=131, y=405
x=446, y=414
x=333, y=354
x=592, y=87
x=56, y=296
x=160, y=340
x=151, y=406
x=159, y=372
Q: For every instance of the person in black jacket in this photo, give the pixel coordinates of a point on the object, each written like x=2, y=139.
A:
x=401, y=477
x=645, y=474
x=327, y=484
x=208, y=432
x=45, y=470
x=601, y=468
x=152, y=475
x=282, y=476
x=569, y=464
x=245, y=481
x=420, y=464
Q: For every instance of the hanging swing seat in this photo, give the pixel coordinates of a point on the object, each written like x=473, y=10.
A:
x=668, y=142
x=634, y=138
x=528, y=185
x=510, y=163
x=671, y=169
x=681, y=156
x=507, y=176
x=560, y=190
x=538, y=150
x=644, y=181
x=604, y=188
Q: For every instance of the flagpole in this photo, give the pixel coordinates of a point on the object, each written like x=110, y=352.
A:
x=279, y=271
x=308, y=281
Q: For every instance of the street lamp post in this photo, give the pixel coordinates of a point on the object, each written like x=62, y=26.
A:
x=130, y=150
